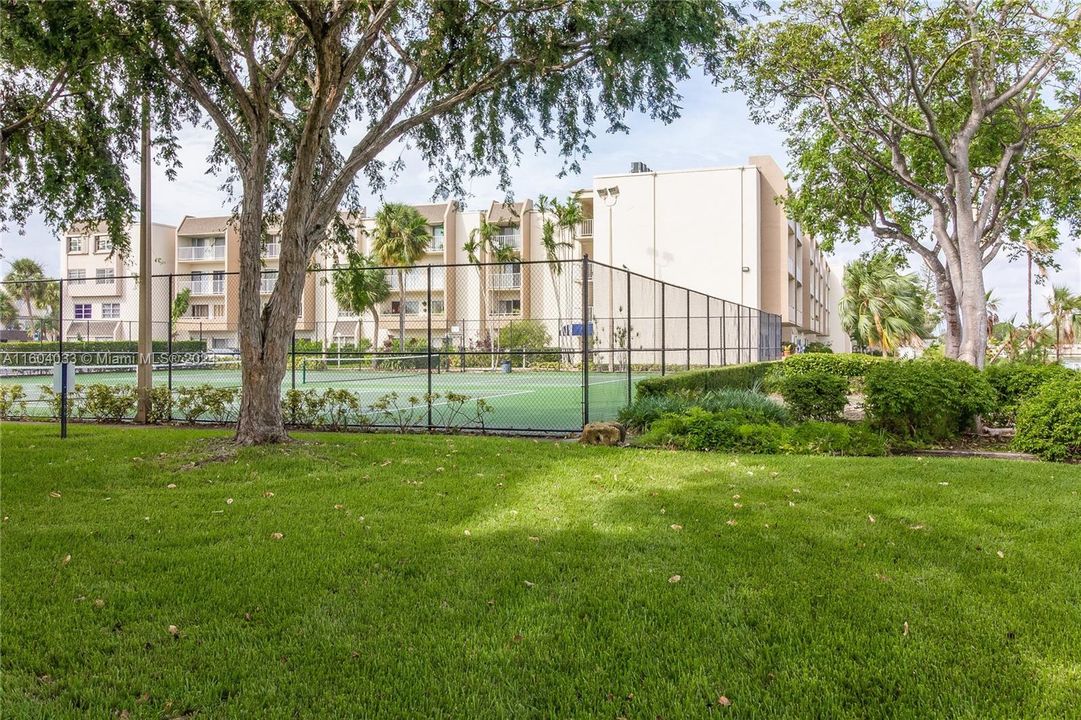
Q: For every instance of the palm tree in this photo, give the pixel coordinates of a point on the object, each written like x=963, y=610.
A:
x=882, y=308
x=9, y=314
x=568, y=216
x=1065, y=310
x=399, y=239
x=480, y=245
x=49, y=301
x=24, y=281
x=360, y=287
x=1041, y=239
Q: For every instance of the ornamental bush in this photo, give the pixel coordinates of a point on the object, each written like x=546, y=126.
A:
x=813, y=394
x=1015, y=382
x=926, y=400
x=743, y=377
x=108, y=403
x=826, y=438
x=756, y=406
x=12, y=402
x=853, y=366
x=1049, y=422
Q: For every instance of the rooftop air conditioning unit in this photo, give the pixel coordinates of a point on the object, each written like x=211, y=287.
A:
x=639, y=167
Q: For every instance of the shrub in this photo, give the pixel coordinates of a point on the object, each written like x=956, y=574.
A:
x=743, y=377
x=51, y=400
x=12, y=402
x=1049, y=422
x=342, y=409
x=304, y=407
x=650, y=408
x=1014, y=382
x=818, y=347
x=853, y=366
x=161, y=405
x=814, y=394
x=108, y=403
x=825, y=438
x=217, y=403
x=524, y=335
x=729, y=430
x=926, y=400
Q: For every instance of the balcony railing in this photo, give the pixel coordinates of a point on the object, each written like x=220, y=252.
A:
x=206, y=252
x=272, y=250
x=506, y=281
x=84, y=287
x=437, y=245
x=266, y=284
x=585, y=228
x=508, y=240
x=210, y=286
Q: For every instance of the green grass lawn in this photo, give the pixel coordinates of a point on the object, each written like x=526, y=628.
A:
x=479, y=577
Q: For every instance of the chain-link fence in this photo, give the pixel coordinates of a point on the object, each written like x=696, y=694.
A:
x=520, y=346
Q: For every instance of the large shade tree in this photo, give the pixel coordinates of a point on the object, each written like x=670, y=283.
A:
x=68, y=76
x=948, y=129
x=466, y=84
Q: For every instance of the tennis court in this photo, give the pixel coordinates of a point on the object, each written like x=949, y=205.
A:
x=523, y=399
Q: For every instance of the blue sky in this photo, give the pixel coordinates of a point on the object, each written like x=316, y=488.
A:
x=714, y=130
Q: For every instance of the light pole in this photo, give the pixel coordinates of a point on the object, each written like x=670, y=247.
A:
x=610, y=196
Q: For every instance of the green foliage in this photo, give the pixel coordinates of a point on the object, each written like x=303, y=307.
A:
x=853, y=366
x=206, y=401
x=108, y=403
x=647, y=409
x=745, y=377
x=882, y=307
x=1014, y=382
x=12, y=402
x=817, y=347
x=524, y=335
x=739, y=431
x=161, y=405
x=926, y=400
x=814, y=394
x=1049, y=422
x=304, y=407
x=360, y=286
x=827, y=438
x=180, y=305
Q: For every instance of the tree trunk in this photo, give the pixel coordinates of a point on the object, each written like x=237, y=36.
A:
x=973, y=299
x=1029, y=287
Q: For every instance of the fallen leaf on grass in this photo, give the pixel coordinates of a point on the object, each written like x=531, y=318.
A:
x=171, y=486
x=871, y=519
x=54, y=494
x=99, y=603
x=675, y=579
x=677, y=528
x=385, y=463
x=534, y=538
x=915, y=527
x=904, y=629
x=737, y=505
x=791, y=504
x=268, y=494
x=467, y=533
x=796, y=490
x=723, y=701
x=339, y=507
x=730, y=522
x=276, y=536
x=174, y=631
x=529, y=584
x=66, y=560
x=228, y=501
x=1001, y=554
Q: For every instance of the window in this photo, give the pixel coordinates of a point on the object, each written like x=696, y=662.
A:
x=219, y=343
x=438, y=307
x=200, y=311
x=82, y=311
x=438, y=239
x=104, y=275
x=219, y=310
x=110, y=311
x=75, y=244
x=508, y=307
x=412, y=307
x=103, y=244
x=77, y=277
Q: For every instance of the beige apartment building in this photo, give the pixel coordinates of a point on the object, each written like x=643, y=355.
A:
x=101, y=294
x=718, y=231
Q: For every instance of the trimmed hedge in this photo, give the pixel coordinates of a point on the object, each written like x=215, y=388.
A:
x=926, y=400
x=849, y=365
x=1015, y=382
x=1049, y=422
x=740, y=377
x=814, y=395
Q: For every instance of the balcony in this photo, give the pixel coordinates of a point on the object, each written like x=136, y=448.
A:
x=437, y=245
x=417, y=278
x=266, y=284
x=92, y=287
x=585, y=228
x=506, y=281
x=190, y=253
x=508, y=240
x=209, y=286
x=271, y=251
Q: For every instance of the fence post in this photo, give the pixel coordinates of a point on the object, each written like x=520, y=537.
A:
x=739, y=334
x=63, y=375
x=586, y=337
x=630, y=377
x=664, y=293
x=688, y=329
x=169, y=348
x=708, y=350
x=429, y=313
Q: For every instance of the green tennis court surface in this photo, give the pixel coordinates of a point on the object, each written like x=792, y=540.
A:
x=523, y=399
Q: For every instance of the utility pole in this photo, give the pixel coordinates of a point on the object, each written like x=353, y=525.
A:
x=146, y=337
